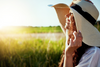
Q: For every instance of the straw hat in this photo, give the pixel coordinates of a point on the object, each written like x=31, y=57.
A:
x=85, y=15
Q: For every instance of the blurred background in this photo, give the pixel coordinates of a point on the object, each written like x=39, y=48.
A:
x=30, y=33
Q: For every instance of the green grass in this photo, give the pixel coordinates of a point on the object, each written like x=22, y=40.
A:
x=29, y=29
x=30, y=52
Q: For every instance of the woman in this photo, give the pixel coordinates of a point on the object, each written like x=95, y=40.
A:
x=72, y=33
x=76, y=48
x=82, y=36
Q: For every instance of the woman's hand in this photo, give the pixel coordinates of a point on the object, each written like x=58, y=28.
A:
x=74, y=43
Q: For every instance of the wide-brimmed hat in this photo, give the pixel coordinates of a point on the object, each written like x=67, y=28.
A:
x=86, y=15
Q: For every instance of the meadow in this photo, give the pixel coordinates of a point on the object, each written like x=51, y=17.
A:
x=30, y=29
x=30, y=51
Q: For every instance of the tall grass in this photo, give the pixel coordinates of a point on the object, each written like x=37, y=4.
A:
x=17, y=52
x=31, y=52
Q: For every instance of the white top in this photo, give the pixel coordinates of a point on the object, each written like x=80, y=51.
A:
x=91, y=58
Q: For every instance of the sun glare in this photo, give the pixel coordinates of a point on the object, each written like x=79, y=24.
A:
x=1, y=27
x=13, y=14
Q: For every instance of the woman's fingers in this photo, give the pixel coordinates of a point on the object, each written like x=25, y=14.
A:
x=80, y=35
x=71, y=43
x=74, y=33
x=77, y=35
x=77, y=41
x=74, y=44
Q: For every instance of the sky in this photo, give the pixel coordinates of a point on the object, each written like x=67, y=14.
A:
x=31, y=12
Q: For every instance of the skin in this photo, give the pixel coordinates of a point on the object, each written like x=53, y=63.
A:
x=74, y=43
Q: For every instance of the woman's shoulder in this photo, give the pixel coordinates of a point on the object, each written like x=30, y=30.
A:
x=90, y=57
x=93, y=50
x=90, y=53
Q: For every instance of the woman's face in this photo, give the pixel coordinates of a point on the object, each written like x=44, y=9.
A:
x=69, y=20
x=70, y=25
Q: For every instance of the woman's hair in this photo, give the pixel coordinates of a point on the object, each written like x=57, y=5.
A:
x=79, y=52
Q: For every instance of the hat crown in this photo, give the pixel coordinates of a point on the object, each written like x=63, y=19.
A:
x=89, y=7
x=84, y=12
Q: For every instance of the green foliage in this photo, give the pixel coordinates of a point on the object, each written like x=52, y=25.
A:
x=30, y=52
x=29, y=29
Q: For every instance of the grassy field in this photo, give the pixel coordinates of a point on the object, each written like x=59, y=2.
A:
x=29, y=29
x=30, y=52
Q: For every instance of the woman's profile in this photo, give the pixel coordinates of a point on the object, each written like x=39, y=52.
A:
x=77, y=22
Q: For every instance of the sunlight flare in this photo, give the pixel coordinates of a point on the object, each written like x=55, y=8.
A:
x=14, y=13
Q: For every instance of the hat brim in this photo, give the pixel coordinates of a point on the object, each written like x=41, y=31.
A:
x=61, y=10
